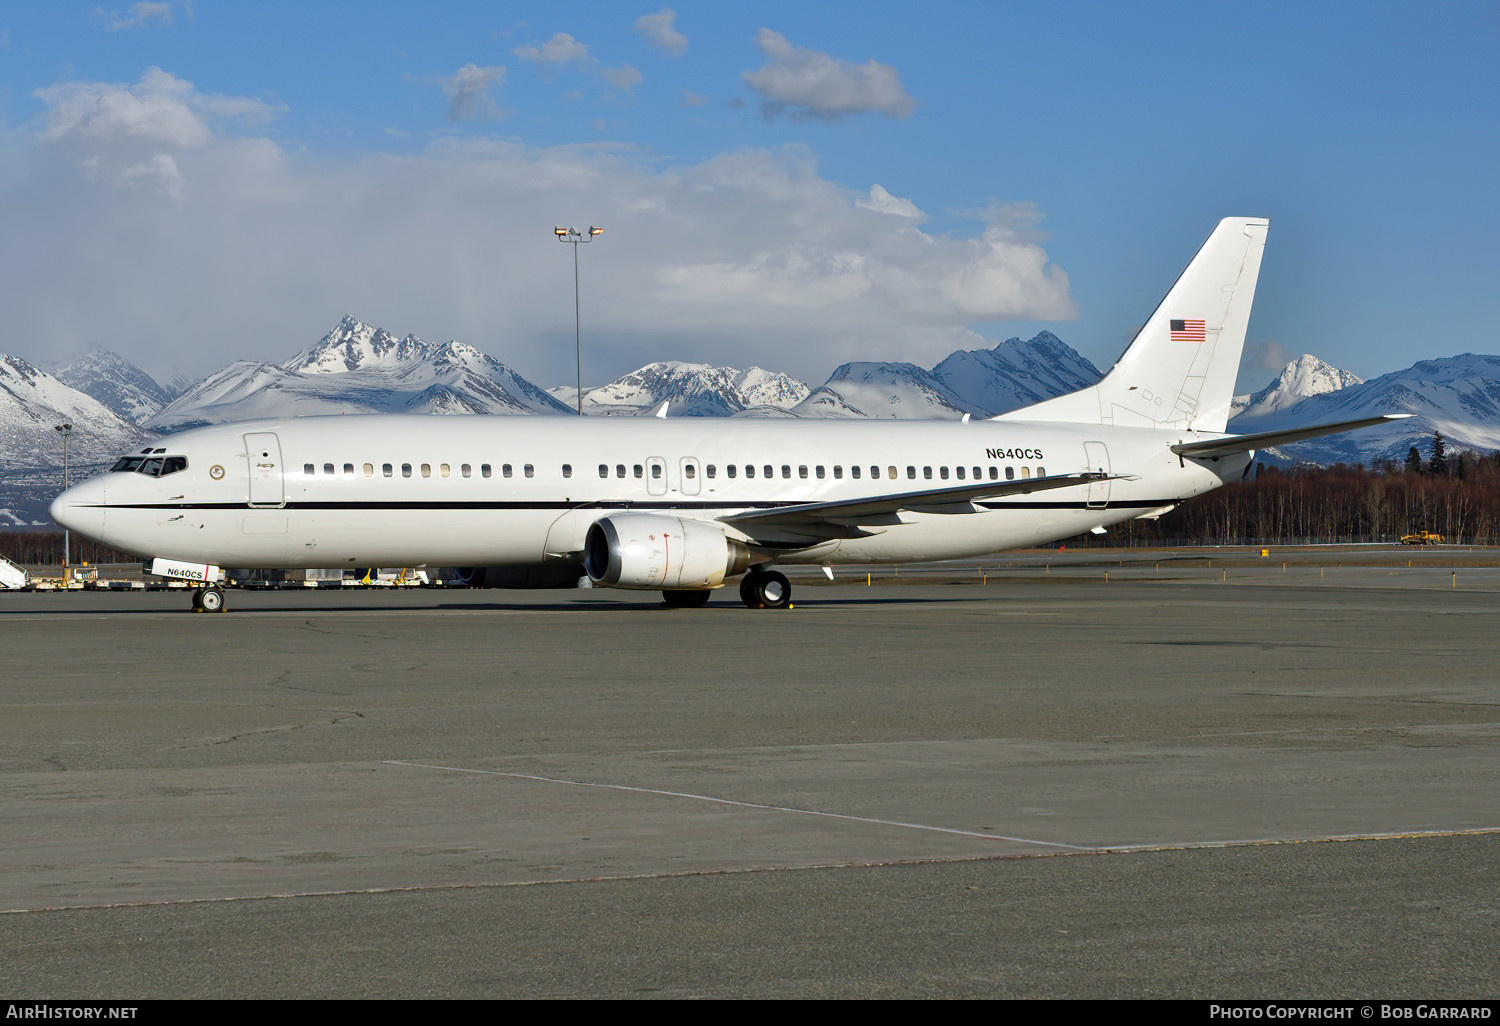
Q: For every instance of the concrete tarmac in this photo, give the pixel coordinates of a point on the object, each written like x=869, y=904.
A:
x=1181, y=783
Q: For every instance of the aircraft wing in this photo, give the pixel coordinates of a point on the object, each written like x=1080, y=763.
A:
x=1216, y=447
x=840, y=517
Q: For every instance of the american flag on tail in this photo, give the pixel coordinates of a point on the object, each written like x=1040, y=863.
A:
x=1189, y=331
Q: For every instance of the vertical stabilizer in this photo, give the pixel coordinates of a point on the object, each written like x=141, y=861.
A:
x=1179, y=370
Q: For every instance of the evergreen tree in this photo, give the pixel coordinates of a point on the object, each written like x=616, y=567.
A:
x=1413, y=461
x=1438, y=464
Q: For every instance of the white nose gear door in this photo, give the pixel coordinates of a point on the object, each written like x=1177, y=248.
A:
x=263, y=450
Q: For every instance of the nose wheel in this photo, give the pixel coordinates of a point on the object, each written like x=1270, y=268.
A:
x=765, y=589
x=208, y=600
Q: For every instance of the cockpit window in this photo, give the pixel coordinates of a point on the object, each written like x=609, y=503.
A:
x=151, y=466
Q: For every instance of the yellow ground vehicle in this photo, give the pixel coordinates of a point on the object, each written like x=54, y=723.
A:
x=1422, y=538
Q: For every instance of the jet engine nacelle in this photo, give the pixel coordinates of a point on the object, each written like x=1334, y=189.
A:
x=564, y=575
x=652, y=552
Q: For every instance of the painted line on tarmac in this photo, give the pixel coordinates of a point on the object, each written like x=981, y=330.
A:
x=745, y=805
x=1250, y=842
x=727, y=871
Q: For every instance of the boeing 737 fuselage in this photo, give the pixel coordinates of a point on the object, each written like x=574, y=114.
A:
x=682, y=505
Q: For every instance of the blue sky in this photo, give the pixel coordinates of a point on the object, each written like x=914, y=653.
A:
x=788, y=185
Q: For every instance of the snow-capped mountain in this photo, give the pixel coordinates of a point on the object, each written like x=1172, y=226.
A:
x=884, y=390
x=353, y=345
x=1016, y=373
x=128, y=391
x=1305, y=376
x=1458, y=396
x=32, y=404
x=979, y=382
x=356, y=368
x=692, y=390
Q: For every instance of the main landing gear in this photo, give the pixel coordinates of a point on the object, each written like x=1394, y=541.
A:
x=765, y=589
x=208, y=600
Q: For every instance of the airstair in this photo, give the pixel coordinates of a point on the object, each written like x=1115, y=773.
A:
x=11, y=576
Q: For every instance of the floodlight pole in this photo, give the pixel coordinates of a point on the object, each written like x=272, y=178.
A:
x=65, y=430
x=575, y=237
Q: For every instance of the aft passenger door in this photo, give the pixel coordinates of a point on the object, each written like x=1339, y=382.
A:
x=263, y=451
x=656, y=476
x=689, y=470
x=1096, y=455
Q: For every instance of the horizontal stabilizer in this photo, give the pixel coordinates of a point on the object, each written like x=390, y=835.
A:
x=1216, y=447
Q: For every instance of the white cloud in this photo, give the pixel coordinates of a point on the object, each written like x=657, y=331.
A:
x=468, y=93
x=883, y=202
x=560, y=49
x=166, y=236
x=141, y=14
x=660, y=31
x=624, y=77
x=803, y=83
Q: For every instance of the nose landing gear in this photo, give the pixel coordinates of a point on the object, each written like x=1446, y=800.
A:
x=208, y=600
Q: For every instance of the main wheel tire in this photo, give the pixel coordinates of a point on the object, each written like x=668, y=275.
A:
x=766, y=589
x=197, y=600
x=212, y=600
x=747, y=591
x=691, y=599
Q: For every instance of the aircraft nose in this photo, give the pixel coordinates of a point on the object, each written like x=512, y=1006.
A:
x=81, y=508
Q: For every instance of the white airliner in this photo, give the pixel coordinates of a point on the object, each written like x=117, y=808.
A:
x=680, y=506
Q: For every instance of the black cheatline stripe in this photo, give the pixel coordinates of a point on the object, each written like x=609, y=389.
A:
x=378, y=507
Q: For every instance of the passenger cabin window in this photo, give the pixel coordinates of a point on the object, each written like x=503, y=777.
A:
x=619, y=470
x=467, y=470
x=530, y=470
x=505, y=470
x=838, y=473
x=386, y=469
x=709, y=471
x=444, y=470
x=853, y=472
x=749, y=470
x=911, y=473
x=427, y=470
x=656, y=471
x=639, y=472
x=307, y=469
x=348, y=470
x=484, y=470
x=567, y=470
x=604, y=470
x=369, y=469
x=802, y=472
x=328, y=469
x=690, y=472
x=1010, y=473
x=730, y=470
x=786, y=470
x=1025, y=473
x=875, y=472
